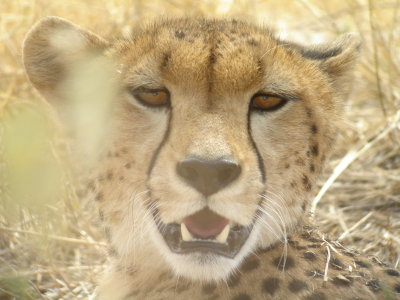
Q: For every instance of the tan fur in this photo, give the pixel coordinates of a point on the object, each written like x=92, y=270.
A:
x=211, y=70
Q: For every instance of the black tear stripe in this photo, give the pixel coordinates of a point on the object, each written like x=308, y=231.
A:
x=260, y=160
x=253, y=144
x=163, y=141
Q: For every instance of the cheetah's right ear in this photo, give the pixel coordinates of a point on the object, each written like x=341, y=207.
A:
x=51, y=47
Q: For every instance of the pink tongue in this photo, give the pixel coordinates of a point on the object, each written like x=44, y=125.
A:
x=205, y=224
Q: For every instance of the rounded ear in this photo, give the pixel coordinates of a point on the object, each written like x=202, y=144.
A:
x=51, y=46
x=336, y=59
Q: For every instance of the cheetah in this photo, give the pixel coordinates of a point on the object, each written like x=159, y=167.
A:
x=217, y=133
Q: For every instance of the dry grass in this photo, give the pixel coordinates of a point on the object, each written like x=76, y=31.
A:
x=51, y=246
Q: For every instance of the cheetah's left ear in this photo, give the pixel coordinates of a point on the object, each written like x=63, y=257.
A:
x=337, y=59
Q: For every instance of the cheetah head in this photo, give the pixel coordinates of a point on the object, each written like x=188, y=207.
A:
x=215, y=136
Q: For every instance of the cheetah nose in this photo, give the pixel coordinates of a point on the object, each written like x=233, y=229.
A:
x=208, y=176
x=206, y=224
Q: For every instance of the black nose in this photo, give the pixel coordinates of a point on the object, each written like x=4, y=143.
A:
x=208, y=176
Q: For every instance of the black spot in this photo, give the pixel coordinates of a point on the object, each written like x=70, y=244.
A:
x=112, y=251
x=287, y=166
x=392, y=272
x=336, y=264
x=348, y=253
x=362, y=274
x=165, y=61
x=127, y=165
x=283, y=264
x=300, y=162
x=179, y=34
x=303, y=206
x=306, y=183
x=397, y=288
x=99, y=196
x=309, y=255
x=374, y=285
x=163, y=276
x=101, y=215
x=234, y=280
x=208, y=288
x=314, y=150
x=132, y=294
x=313, y=240
x=316, y=296
x=182, y=286
x=121, y=178
x=107, y=232
x=312, y=168
x=110, y=175
x=250, y=265
x=308, y=112
x=212, y=58
x=293, y=184
x=308, y=153
x=296, y=245
x=263, y=250
x=296, y=286
x=378, y=262
x=270, y=285
x=81, y=193
x=342, y=281
x=91, y=186
x=314, y=246
x=314, y=129
x=363, y=264
x=252, y=42
x=161, y=289
x=242, y=296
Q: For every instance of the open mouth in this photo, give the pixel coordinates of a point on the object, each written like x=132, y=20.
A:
x=205, y=232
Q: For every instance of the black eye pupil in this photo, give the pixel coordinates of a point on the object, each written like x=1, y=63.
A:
x=154, y=94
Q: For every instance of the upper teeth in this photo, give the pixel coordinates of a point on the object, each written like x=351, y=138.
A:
x=220, y=238
x=186, y=235
x=223, y=236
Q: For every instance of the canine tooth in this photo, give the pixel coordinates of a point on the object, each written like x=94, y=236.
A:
x=186, y=236
x=223, y=236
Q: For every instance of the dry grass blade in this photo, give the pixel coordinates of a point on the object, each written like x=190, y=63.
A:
x=351, y=156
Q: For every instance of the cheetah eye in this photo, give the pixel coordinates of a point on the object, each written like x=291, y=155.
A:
x=152, y=98
x=266, y=102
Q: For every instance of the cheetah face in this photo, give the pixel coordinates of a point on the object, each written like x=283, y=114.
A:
x=217, y=133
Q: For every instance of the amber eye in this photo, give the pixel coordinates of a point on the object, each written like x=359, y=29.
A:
x=267, y=102
x=153, y=98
